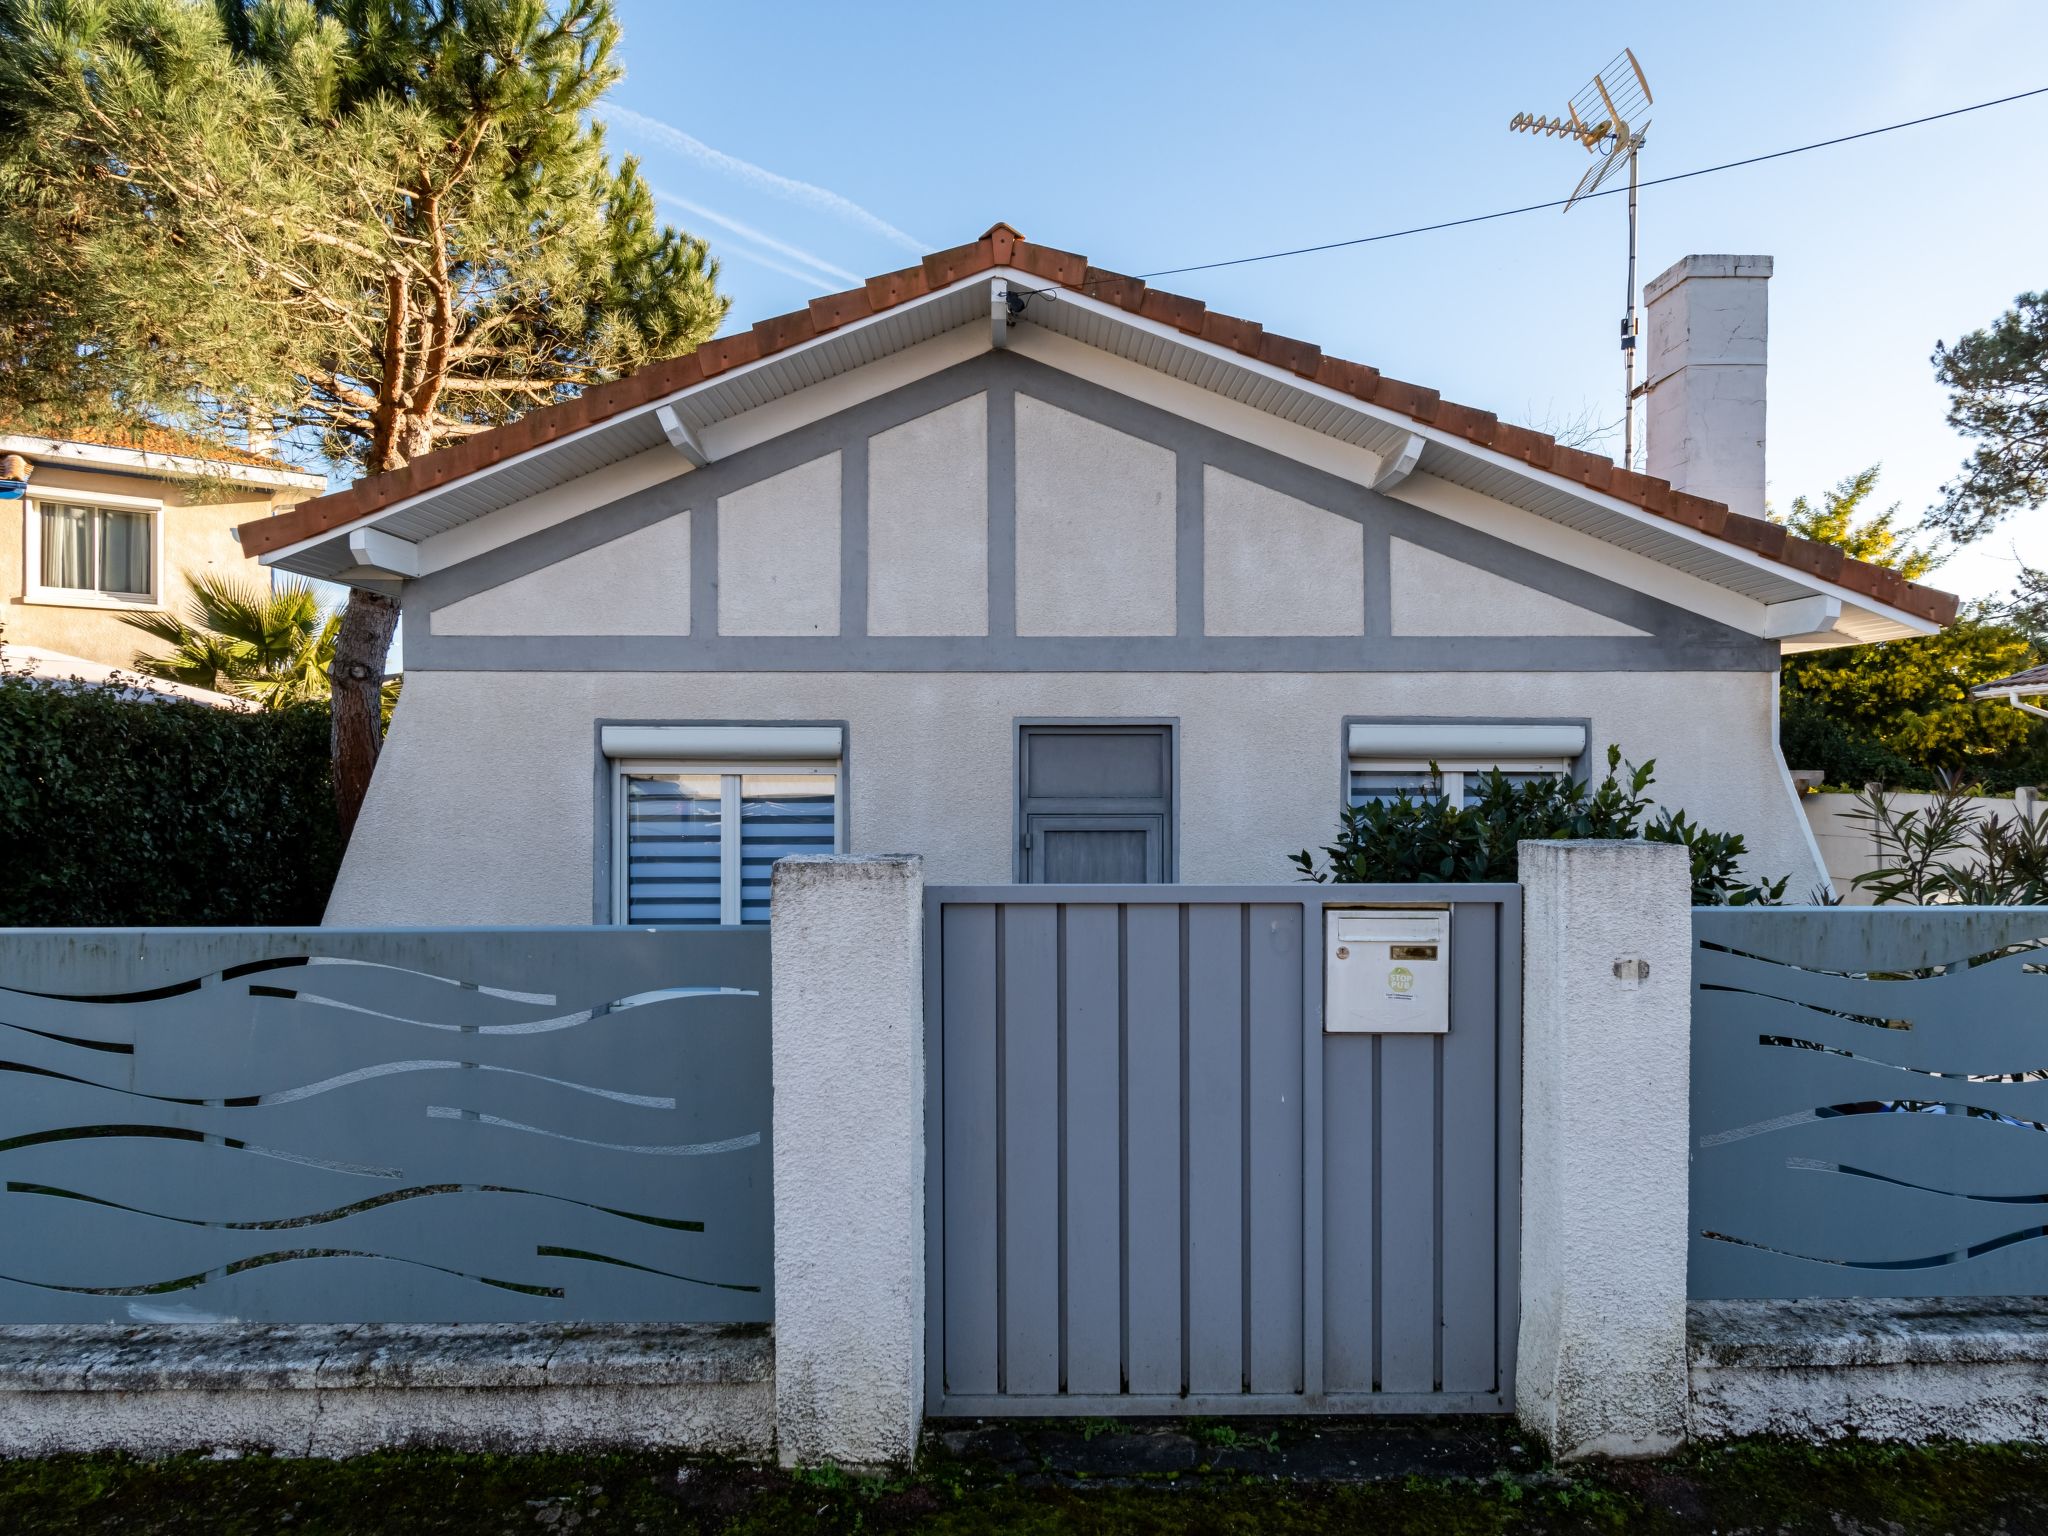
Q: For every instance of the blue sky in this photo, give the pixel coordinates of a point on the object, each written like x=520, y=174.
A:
x=813, y=144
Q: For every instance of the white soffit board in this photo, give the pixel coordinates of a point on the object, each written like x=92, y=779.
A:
x=724, y=743
x=1467, y=740
x=1274, y=392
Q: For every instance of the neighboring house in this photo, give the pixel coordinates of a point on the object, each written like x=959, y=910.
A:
x=114, y=522
x=1046, y=575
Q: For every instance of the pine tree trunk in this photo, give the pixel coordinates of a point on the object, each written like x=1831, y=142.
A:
x=361, y=646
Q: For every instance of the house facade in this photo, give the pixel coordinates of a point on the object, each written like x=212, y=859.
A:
x=1051, y=577
x=116, y=526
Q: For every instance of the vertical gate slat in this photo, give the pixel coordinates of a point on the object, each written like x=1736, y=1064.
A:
x=1152, y=1185
x=1273, y=987
x=1470, y=1120
x=1348, y=1229
x=1215, y=1149
x=1094, y=1227
x=1030, y=1151
x=1408, y=1213
x=967, y=935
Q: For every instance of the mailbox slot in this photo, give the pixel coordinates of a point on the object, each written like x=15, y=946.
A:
x=1386, y=971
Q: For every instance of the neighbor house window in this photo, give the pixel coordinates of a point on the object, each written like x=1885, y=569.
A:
x=1449, y=758
x=86, y=550
x=701, y=814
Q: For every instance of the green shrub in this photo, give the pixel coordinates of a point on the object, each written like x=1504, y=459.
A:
x=119, y=812
x=1406, y=840
x=1810, y=737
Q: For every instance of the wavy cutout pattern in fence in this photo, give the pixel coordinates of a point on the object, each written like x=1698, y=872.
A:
x=205, y=1124
x=1869, y=1102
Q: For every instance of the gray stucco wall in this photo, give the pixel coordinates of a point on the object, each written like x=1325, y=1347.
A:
x=1003, y=540
x=484, y=807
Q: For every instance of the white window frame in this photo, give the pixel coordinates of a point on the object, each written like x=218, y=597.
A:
x=728, y=753
x=33, y=590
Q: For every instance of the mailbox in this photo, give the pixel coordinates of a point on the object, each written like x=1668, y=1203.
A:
x=1386, y=970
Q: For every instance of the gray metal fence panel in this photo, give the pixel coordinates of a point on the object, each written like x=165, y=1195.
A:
x=1869, y=1102
x=324, y=1125
x=1156, y=1186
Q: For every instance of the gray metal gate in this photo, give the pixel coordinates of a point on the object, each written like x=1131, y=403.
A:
x=1156, y=1186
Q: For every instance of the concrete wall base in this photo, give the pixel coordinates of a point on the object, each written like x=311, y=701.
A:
x=342, y=1391
x=1895, y=1369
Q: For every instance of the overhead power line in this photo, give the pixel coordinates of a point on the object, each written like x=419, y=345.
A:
x=1658, y=181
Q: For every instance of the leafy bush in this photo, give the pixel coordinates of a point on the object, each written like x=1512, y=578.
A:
x=117, y=811
x=1950, y=851
x=1811, y=737
x=1405, y=840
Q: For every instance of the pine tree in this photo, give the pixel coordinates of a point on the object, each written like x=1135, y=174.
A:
x=1877, y=538
x=1998, y=383
x=367, y=227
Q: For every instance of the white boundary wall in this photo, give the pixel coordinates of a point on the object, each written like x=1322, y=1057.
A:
x=1606, y=1059
x=848, y=947
x=1847, y=848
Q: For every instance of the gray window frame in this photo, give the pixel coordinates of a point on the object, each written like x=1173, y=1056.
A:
x=1022, y=725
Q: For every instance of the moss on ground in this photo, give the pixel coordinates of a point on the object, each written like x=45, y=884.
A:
x=1749, y=1487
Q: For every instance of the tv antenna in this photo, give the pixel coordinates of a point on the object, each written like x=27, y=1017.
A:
x=1606, y=119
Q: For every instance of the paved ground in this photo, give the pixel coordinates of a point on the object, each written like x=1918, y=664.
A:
x=1284, y=1478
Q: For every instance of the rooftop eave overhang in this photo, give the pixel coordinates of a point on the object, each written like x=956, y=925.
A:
x=1789, y=598
x=62, y=452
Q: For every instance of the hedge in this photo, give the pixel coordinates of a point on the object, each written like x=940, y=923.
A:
x=120, y=812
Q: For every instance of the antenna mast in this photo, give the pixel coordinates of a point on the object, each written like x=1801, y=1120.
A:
x=1606, y=115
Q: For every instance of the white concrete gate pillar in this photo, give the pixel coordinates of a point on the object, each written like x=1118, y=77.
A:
x=847, y=940
x=1606, y=1056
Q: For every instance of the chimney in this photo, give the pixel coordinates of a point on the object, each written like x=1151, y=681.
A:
x=1704, y=425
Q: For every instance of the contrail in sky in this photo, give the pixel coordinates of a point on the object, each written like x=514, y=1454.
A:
x=768, y=181
x=840, y=275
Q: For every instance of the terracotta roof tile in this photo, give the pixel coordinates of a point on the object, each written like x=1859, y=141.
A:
x=898, y=287
x=1300, y=357
x=1115, y=288
x=1003, y=246
x=780, y=332
x=1229, y=331
x=837, y=309
x=147, y=437
x=1174, y=309
x=1050, y=263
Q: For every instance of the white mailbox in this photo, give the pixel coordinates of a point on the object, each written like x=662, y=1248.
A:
x=1387, y=971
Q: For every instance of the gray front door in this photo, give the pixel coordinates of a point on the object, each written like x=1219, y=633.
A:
x=1095, y=804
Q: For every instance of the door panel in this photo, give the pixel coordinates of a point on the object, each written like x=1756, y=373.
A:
x=1095, y=850
x=1095, y=804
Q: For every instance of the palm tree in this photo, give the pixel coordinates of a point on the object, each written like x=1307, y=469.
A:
x=271, y=644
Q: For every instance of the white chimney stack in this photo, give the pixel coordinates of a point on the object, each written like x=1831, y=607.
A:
x=1704, y=428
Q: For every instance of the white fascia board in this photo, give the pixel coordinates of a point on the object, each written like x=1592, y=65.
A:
x=1171, y=336
x=647, y=408
x=98, y=456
